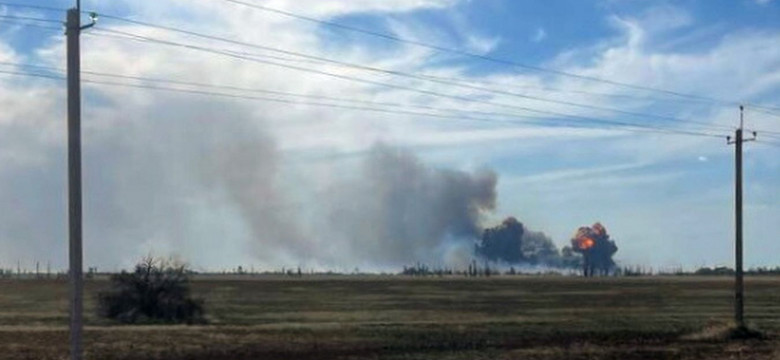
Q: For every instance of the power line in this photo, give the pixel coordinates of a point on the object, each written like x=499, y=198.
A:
x=463, y=53
x=263, y=91
x=137, y=37
x=666, y=118
x=422, y=44
x=27, y=24
x=28, y=6
x=271, y=92
x=29, y=18
x=134, y=36
x=280, y=93
x=364, y=81
x=629, y=127
x=235, y=96
x=313, y=59
x=770, y=143
x=426, y=77
x=589, y=119
x=767, y=111
x=397, y=73
x=581, y=92
x=764, y=134
x=461, y=80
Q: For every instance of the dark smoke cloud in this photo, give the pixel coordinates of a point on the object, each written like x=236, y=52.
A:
x=512, y=243
x=503, y=243
x=539, y=249
x=596, y=248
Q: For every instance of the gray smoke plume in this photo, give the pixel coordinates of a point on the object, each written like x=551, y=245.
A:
x=247, y=171
x=209, y=184
x=401, y=210
x=395, y=211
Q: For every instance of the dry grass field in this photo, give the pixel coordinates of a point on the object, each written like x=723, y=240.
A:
x=401, y=318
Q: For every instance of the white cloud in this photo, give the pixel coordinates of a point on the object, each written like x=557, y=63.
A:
x=143, y=148
x=482, y=45
x=539, y=35
x=330, y=8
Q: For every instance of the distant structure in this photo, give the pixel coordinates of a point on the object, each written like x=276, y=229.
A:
x=596, y=248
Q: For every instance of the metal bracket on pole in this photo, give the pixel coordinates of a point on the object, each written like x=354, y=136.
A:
x=93, y=17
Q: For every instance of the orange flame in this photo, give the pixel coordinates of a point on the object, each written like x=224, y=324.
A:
x=585, y=243
x=585, y=237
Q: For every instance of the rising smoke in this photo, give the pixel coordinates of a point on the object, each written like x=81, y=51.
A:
x=395, y=211
x=513, y=244
x=596, y=248
x=401, y=210
x=208, y=184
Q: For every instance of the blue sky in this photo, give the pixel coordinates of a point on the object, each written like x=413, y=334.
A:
x=667, y=199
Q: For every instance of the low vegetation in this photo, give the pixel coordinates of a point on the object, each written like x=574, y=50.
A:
x=157, y=291
x=400, y=317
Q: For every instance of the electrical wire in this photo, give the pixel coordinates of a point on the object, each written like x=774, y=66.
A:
x=146, y=39
x=439, y=49
x=771, y=111
x=263, y=91
x=446, y=82
x=359, y=108
x=397, y=73
x=770, y=143
x=29, y=6
x=27, y=24
x=272, y=92
x=29, y=18
x=463, y=53
x=360, y=80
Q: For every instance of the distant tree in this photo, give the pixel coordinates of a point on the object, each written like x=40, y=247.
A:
x=156, y=291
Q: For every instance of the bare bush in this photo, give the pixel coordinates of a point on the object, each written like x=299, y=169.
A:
x=156, y=291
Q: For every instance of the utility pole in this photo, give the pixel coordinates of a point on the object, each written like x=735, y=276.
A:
x=739, y=285
x=73, y=32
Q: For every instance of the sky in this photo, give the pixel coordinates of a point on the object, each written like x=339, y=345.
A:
x=220, y=181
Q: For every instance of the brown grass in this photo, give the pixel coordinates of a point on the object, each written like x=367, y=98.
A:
x=400, y=318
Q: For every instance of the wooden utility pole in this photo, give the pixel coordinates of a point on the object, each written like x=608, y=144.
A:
x=739, y=285
x=73, y=32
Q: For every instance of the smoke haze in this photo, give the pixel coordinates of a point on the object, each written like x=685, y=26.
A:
x=401, y=210
x=392, y=211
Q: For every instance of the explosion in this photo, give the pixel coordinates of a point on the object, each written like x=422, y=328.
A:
x=512, y=243
x=596, y=248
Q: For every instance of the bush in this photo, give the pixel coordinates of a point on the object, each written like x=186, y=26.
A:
x=157, y=291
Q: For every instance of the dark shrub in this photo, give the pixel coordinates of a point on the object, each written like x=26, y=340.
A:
x=157, y=291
